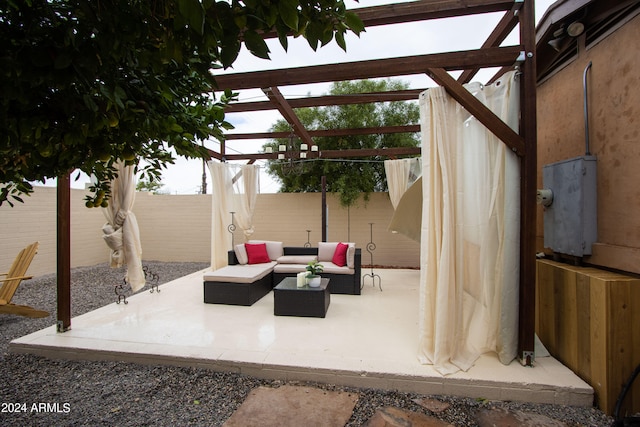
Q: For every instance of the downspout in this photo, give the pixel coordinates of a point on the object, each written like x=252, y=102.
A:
x=586, y=109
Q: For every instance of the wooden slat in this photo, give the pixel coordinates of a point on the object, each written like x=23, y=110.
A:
x=583, y=333
x=598, y=346
x=565, y=291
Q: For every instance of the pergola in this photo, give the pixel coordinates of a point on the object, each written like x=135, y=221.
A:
x=517, y=13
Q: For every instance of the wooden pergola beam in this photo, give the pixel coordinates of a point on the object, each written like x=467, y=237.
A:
x=328, y=132
x=427, y=10
x=326, y=100
x=479, y=110
x=403, y=66
x=422, y=10
x=497, y=36
x=337, y=154
x=289, y=115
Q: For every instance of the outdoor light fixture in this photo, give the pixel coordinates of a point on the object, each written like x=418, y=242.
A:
x=268, y=150
x=293, y=155
x=575, y=29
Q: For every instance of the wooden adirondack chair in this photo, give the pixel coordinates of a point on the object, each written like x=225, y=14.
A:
x=13, y=279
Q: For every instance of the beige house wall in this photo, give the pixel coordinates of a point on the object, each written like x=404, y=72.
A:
x=614, y=111
x=178, y=228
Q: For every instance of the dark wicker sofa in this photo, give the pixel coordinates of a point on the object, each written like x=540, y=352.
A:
x=227, y=290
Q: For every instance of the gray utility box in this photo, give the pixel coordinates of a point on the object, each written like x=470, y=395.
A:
x=570, y=222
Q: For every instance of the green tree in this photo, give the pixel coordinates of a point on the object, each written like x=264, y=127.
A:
x=350, y=177
x=87, y=82
x=149, y=185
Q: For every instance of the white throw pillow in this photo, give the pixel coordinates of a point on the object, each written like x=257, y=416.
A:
x=326, y=250
x=241, y=254
x=351, y=255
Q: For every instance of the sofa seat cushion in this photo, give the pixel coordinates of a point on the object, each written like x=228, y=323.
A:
x=297, y=259
x=248, y=273
x=289, y=268
x=331, y=268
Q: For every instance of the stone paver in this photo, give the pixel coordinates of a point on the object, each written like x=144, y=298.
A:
x=293, y=406
x=395, y=417
x=503, y=418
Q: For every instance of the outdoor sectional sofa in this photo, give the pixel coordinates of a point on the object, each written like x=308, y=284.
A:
x=245, y=281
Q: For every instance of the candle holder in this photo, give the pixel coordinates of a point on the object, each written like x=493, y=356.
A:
x=119, y=290
x=152, y=278
x=308, y=244
x=371, y=247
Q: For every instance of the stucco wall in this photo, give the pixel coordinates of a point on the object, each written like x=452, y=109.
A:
x=614, y=104
x=178, y=228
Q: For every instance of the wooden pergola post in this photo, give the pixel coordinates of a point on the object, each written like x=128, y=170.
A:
x=63, y=225
x=528, y=184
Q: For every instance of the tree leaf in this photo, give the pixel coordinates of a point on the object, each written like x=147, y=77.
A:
x=256, y=45
x=340, y=40
x=289, y=13
x=354, y=22
x=193, y=12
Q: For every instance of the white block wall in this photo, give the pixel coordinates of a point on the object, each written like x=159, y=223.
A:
x=178, y=228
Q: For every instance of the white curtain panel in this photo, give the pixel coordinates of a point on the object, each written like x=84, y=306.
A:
x=245, y=192
x=235, y=189
x=220, y=214
x=397, y=172
x=470, y=230
x=121, y=232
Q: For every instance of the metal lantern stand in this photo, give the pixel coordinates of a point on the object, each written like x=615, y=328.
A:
x=370, y=248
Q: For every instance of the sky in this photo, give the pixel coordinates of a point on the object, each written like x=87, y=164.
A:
x=443, y=35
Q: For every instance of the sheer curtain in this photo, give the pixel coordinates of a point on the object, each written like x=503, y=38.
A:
x=401, y=174
x=121, y=232
x=245, y=191
x=405, y=192
x=235, y=189
x=470, y=230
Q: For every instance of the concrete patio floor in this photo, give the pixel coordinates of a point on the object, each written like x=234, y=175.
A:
x=365, y=341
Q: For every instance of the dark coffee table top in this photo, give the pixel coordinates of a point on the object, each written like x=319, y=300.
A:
x=291, y=284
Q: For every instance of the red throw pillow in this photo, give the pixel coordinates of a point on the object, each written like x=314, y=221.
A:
x=257, y=253
x=340, y=255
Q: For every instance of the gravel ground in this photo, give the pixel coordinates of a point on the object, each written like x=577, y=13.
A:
x=40, y=392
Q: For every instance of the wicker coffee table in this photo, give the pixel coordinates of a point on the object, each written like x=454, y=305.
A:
x=289, y=300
